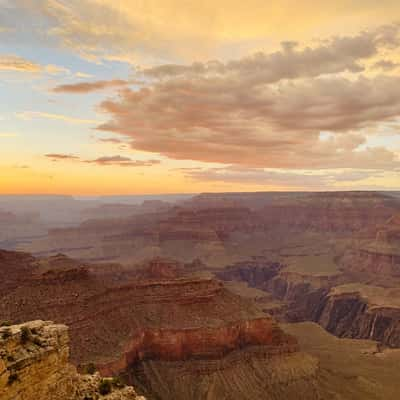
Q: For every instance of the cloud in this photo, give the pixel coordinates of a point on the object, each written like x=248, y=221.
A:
x=272, y=126
x=18, y=64
x=128, y=31
x=279, y=178
x=116, y=160
x=123, y=161
x=28, y=115
x=386, y=65
x=15, y=63
x=267, y=110
x=86, y=87
x=83, y=75
x=336, y=55
x=63, y=157
x=56, y=69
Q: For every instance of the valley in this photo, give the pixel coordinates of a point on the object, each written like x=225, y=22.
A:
x=224, y=296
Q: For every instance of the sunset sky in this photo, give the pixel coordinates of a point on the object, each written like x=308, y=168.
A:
x=168, y=96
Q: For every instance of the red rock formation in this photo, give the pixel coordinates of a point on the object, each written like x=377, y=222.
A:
x=104, y=312
x=201, y=343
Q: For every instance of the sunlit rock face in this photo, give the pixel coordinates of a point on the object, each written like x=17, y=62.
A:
x=34, y=365
x=202, y=343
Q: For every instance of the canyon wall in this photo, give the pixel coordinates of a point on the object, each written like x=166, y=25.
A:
x=202, y=343
x=349, y=315
x=351, y=310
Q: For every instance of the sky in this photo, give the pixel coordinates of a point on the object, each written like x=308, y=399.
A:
x=164, y=96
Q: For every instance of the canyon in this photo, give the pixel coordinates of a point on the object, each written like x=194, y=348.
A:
x=219, y=228
x=199, y=299
x=360, y=299
x=158, y=314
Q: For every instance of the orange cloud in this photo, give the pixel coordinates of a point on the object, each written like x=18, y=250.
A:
x=267, y=110
x=229, y=121
x=15, y=63
x=336, y=55
x=86, y=87
x=18, y=64
x=132, y=31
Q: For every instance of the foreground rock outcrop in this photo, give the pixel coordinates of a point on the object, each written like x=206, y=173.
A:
x=34, y=365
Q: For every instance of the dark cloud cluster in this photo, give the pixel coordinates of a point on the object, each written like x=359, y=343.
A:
x=123, y=161
x=61, y=157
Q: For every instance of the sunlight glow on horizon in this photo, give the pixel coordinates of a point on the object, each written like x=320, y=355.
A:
x=227, y=97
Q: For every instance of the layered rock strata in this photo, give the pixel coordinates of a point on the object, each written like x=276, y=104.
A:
x=352, y=310
x=202, y=343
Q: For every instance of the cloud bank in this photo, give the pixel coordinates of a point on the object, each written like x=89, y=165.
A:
x=228, y=121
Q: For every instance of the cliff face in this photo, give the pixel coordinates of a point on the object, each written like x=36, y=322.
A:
x=352, y=310
x=350, y=315
x=303, y=294
x=202, y=343
x=29, y=370
x=34, y=366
